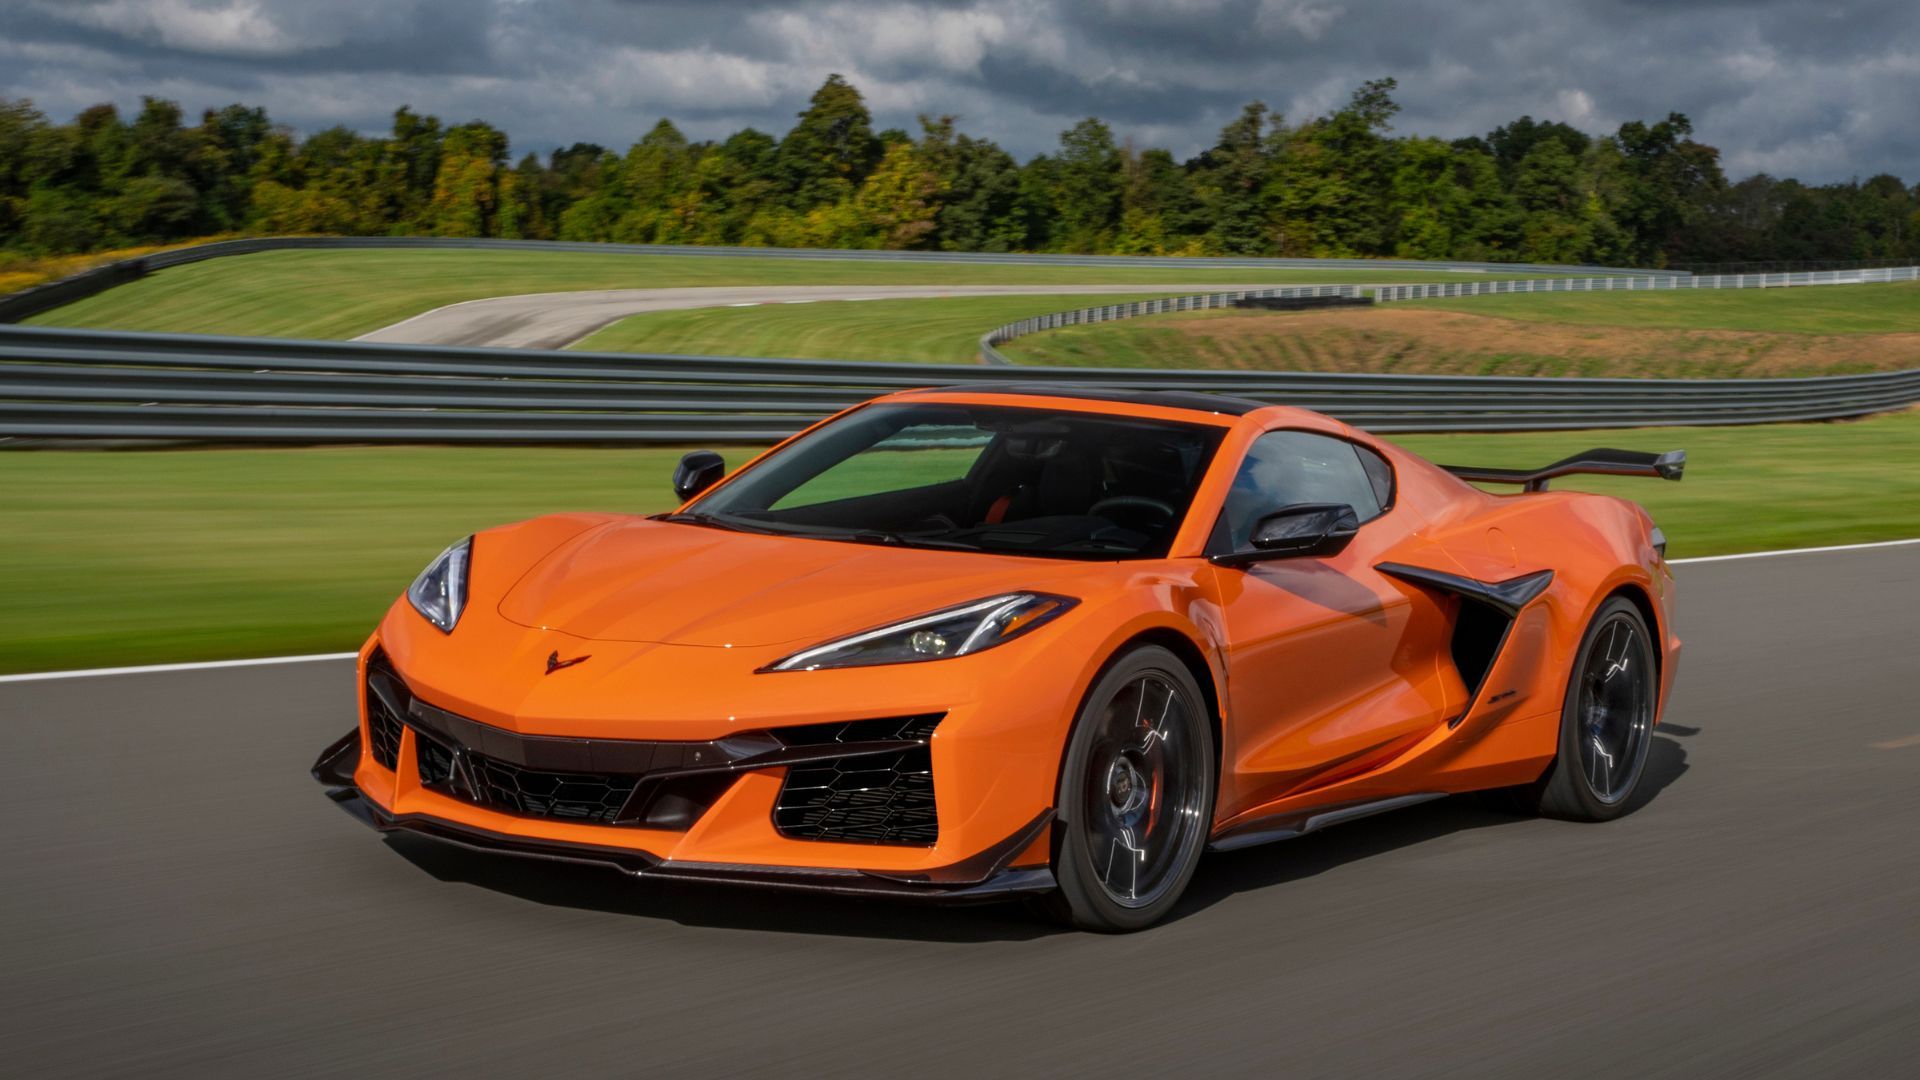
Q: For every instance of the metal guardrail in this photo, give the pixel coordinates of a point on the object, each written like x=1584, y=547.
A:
x=57, y=383
x=29, y=302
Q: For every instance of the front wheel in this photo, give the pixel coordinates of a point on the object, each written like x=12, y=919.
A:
x=1606, y=726
x=1136, y=795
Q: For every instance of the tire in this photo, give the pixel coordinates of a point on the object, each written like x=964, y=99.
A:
x=1136, y=795
x=1606, y=725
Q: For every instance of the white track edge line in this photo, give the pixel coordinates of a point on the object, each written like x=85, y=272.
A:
x=150, y=669
x=209, y=665
x=1794, y=551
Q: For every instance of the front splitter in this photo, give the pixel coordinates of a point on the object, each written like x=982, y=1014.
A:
x=982, y=878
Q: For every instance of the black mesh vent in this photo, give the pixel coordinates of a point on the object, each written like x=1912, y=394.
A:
x=592, y=797
x=383, y=727
x=868, y=798
x=435, y=761
x=570, y=796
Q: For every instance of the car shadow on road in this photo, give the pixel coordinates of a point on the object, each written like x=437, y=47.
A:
x=1221, y=875
x=736, y=908
x=1666, y=761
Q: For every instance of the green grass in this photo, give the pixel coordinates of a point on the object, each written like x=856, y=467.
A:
x=1151, y=341
x=1821, y=309
x=341, y=294
x=175, y=555
x=1747, y=488
x=1814, y=331
x=944, y=331
x=1277, y=341
x=152, y=556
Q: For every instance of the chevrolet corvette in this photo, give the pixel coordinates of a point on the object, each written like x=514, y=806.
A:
x=1020, y=640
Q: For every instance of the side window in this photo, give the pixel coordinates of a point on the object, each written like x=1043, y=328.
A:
x=1285, y=468
x=1379, y=474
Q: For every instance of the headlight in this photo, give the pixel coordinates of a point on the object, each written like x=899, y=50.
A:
x=439, y=594
x=949, y=632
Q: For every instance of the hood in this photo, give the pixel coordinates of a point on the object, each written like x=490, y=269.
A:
x=650, y=581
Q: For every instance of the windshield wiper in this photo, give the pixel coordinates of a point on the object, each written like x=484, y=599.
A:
x=712, y=521
x=856, y=536
x=882, y=536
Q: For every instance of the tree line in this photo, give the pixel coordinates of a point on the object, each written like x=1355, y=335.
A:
x=1340, y=185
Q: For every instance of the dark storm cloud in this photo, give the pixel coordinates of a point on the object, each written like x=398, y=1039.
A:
x=1789, y=87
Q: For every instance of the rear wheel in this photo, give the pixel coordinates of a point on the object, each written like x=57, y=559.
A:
x=1606, y=726
x=1136, y=795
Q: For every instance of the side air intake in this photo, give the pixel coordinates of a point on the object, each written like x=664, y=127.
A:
x=865, y=797
x=1478, y=633
x=1487, y=613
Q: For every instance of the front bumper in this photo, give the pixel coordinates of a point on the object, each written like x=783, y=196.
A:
x=982, y=877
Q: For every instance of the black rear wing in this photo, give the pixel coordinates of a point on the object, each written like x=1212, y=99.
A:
x=1667, y=466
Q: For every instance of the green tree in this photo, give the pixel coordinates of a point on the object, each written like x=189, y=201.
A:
x=659, y=168
x=466, y=190
x=1510, y=144
x=735, y=180
x=1086, y=187
x=1669, y=180
x=1339, y=184
x=229, y=145
x=831, y=150
x=408, y=177
x=1237, y=182
x=58, y=220
x=657, y=180
x=900, y=200
x=1330, y=186
x=979, y=208
x=522, y=211
x=22, y=130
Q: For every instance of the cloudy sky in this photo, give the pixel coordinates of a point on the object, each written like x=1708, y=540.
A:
x=1819, y=89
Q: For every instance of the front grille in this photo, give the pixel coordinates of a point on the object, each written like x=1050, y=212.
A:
x=532, y=793
x=879, y=790
x=383, y=727
x=882, y=798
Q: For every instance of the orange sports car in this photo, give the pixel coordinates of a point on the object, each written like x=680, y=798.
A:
x=981, y=642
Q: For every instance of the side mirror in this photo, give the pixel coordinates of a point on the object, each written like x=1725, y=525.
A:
x=1302, y=530
x=697, y=471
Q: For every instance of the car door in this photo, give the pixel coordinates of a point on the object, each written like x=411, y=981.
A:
x=1332, y=667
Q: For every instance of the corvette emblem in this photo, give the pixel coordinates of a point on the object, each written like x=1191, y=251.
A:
x=554, y=663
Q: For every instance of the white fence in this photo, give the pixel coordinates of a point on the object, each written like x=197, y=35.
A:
x=1389, y=293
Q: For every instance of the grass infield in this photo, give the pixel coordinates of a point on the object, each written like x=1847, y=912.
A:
x=945, y=330
x=1810, y=309
x=1831, y=330
x=155, y=556
x=342, y=294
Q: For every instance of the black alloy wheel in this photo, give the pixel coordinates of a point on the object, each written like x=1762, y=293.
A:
x=1136, y=795
x=1606, y=726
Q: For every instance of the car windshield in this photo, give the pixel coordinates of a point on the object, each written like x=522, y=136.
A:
x=1014, y=480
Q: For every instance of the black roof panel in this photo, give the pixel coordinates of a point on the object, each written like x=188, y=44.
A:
x=1171, y=399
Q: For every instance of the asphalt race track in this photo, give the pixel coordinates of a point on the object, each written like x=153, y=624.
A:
x=182, y=900
x=556, y=320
